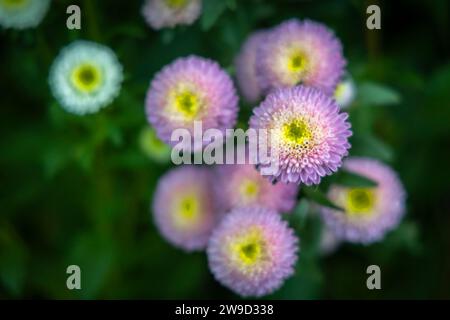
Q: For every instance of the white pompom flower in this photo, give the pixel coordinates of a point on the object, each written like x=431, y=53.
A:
x=85, y=77
x=345, y=92
x=22, y=14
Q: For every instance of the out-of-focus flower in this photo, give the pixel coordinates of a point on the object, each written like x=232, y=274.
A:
x=191, y=89
x=170, y=13
x=329, y=242
x=184, y=207
x=345, y=92
x=85, y=77
x=241, y=185
x=154, y=148
x=252, y=251
x=308, y=134
x=245, y=63
x=300, y=53
x=22, y=14
x=369, y=212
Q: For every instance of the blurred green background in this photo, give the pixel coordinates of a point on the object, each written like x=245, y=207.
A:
x=77, y=190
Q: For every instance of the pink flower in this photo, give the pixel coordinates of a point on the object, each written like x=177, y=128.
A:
x=308, y=134
x=241, y=185
x=188, y=90
x=184, y=207
x=369, y=212
x=170, y=13
x=252, y=251
x=297, y=52
x=245, y=63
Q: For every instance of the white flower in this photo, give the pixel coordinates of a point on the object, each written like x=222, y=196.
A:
x=21, y=14
x=85, y=77
x=345, y=92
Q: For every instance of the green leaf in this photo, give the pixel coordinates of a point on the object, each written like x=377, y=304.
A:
x=213, y=9
x=95, y=257
x=354, y=180
x=319, y=197
x=405, y=236
x=167, y=36
x=306, y=283
x=299, y=215
x=371, y=146
x=232, y=4
x=13, y=262
x=374, y=94
x=128, y=31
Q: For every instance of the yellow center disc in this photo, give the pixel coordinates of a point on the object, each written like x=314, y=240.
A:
x=296, y=132
x=86, y=78
x=360, y=201
x=14, y=4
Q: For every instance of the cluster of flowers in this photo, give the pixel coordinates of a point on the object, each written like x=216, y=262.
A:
x=232, y=211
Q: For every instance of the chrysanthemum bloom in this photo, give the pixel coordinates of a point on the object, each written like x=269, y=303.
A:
x=252, y=251
x=22, y=14
x=345, y=92
x=245, y=63
x=242, y=185
x=184, y=207
x=308, y=136
x=300, y=53
x=170, y=13
x=85, y=77
x=154, y=148
x=369, y=212
x=188, y=90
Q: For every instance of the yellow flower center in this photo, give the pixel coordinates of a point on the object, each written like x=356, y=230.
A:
x=296, y=132
x=14, y=4
x=86, y=78
x=176, y=4
x=188, y=104
x=297, y=62
x=248, y=248
x=250, y=252
x=249, y=190
x=360, y=201
x=187, y=212
x=188, y=208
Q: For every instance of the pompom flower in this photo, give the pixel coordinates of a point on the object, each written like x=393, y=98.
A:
x=345, y=92
x=252, y=251
x=154, y=148
x=308, y=136
x=85, y=77
x=300, y=53
x=369, y=212
x=184, y=207
x=22, y=14
x=188, y=90
x=245, y=64
x=241, y=185
x=170, y=13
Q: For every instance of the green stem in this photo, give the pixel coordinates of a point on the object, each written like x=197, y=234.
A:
x=93, y=28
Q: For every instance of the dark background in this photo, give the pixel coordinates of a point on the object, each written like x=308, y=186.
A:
x=76, y=190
